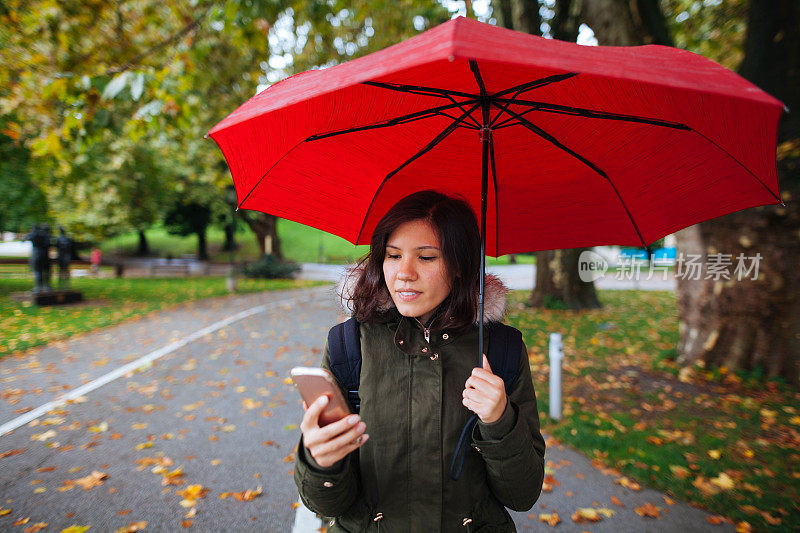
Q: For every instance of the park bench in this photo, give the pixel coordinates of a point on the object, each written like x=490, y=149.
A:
x=170, y=267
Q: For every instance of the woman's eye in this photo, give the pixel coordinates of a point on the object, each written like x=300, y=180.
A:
x=428, y=258
x=392, y=256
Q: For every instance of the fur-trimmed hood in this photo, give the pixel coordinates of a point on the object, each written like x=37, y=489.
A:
x=494, y=294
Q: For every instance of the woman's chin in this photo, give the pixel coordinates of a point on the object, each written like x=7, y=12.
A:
x=410, y=310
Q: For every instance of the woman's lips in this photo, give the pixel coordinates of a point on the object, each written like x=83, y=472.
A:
x=408, y=296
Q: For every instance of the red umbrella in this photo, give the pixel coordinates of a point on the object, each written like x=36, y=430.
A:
x=586, y=145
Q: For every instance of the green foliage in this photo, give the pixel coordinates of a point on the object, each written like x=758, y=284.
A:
x=22, y=202
x=269, y=268
x=715, y=30
x=113, y=99
x=185, y=218
x=551, y=302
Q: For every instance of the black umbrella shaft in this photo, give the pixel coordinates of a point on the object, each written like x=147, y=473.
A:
x=485, y=134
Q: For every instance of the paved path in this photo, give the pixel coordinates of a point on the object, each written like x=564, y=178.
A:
x=218, y=407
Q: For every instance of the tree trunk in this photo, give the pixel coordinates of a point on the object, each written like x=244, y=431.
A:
x=525, y=16
x=739, y=323
x=626, y=22
x=144, y=248
x=558, y=284
x=565, y=22
x=755, y=324
x=202, y=249
x=502, y=13
x=263, y=225
x=230, y=237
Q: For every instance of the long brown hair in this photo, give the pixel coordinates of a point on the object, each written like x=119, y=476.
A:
x=454, y=223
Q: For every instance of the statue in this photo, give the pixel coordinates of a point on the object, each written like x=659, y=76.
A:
x=40, y=258
x=65, y=250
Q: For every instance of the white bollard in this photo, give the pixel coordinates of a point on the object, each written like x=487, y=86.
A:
x=556, y=355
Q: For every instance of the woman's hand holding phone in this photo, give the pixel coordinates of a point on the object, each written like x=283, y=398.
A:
x=330, y=443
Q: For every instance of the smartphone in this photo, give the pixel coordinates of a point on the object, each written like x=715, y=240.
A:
x=315, y=382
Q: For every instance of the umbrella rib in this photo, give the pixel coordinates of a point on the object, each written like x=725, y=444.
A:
x=546, y=136
x=469, y=116
x=742, y=165
x=473, y=65
x=519, y=89
x=524, y=87
x=496, y=203
x=510, y=121
x=418, y=115
x=436, y=140
x=265, y=175
x=590, y=113
x=418, y=89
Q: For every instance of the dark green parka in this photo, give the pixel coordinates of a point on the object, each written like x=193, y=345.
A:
x=411, y=392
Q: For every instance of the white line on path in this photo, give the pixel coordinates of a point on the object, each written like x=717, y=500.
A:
x=130, y=367
x=305, y=520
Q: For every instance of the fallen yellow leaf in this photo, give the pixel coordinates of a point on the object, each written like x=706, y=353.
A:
x=647, y=510
x=95, y=479
x=551, y=519
x=723, y=481
x=586, y=514
x=247, y=495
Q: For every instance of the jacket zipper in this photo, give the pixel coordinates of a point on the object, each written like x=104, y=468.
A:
x=425, y=331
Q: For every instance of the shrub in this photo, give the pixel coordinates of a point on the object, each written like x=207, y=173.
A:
x=268, y=267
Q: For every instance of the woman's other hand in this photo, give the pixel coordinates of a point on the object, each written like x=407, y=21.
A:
x=485, y=394
x=331, y=443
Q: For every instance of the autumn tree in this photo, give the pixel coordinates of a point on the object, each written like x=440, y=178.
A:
x=755, y=324
x=113, y=99
x=744, y=323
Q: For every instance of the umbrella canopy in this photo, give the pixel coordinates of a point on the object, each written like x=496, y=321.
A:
x=584, y=145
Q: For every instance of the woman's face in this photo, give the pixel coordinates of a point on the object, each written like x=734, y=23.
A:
x=415, y=271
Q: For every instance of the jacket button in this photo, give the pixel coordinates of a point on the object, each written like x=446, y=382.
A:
x=327, y=484
x=425, y=350
x=445, y=336
x=434, y=357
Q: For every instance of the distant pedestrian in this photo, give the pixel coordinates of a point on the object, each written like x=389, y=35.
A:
x=95, y=260
x=64, y=246
x=40, y=257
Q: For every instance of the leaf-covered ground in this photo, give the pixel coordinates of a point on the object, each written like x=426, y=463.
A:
x=727, y=442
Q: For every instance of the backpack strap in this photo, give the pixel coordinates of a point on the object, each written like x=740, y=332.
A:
x=344, y=347
x=505, y=348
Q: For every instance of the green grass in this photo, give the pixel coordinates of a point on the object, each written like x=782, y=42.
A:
x=108, y=301
x=299, y=243
x=681, y=436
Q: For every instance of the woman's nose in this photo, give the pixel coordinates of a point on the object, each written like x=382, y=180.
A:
x=406, y=271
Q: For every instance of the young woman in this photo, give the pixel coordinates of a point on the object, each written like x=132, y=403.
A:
x=387, y=469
